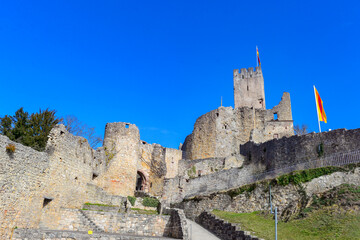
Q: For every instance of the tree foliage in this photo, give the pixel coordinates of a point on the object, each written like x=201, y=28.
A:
x=29, y=130
x=76, y=127
x=301, y=130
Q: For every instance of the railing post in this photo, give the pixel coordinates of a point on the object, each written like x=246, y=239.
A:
x=276, y=222
x=271, y=211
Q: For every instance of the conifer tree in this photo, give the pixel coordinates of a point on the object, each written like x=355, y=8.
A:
x=29, y=130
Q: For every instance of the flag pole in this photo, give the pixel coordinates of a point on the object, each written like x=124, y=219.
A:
x=317, y=109
x=257, y=61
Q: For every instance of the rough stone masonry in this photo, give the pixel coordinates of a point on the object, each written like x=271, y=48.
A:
x=36, y=188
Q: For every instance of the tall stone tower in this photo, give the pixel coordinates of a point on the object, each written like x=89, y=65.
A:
x=249, y=88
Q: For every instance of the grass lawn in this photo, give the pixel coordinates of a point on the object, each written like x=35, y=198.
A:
x=326, y=223
x=143, y=211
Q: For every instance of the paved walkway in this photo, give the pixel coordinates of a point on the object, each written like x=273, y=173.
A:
x=197, y=232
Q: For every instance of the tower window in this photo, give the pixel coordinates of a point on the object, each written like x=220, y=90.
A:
x=275, y=116
x=126, y=125
x=248, y=88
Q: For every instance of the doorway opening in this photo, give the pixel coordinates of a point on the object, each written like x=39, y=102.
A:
x=141, y=181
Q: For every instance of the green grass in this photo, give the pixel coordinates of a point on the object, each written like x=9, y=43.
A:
x=143, y=211
x=99, y=204
x=321, y=224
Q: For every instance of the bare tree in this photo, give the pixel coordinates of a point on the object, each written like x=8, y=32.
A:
x=301, y=130
x=74, y=126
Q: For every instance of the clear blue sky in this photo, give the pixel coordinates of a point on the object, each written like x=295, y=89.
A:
x=162, y=64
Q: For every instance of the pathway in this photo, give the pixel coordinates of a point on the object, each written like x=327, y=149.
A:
x=197, y=232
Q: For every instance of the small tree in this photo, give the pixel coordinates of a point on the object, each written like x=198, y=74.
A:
x=74, y=126
x=301, y=130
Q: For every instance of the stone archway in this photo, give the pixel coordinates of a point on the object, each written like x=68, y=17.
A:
x=141, y=182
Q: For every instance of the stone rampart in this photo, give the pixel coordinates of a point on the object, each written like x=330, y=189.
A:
x=201, y=167
x=23, y=176
x=34, y=185
x=283, y=152
x=271, y=159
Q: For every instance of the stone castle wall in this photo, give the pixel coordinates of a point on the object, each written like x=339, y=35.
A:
x=22, y=179
x=121, y=223
x=71, y=168
x=71, y=173
x=296, y=149
x=220, y=132
x=266, y=160
x=29, y=178
x=156, y=163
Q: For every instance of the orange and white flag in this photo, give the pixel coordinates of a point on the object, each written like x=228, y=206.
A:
x=320, y=107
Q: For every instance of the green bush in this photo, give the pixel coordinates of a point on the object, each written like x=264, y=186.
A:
x=306, y=175
x=132, y=200
x=246, y=188
x=150, y=202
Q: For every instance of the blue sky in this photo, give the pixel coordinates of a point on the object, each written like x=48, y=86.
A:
x=162, y=64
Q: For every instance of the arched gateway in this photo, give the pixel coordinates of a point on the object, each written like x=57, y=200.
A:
x=141, y=182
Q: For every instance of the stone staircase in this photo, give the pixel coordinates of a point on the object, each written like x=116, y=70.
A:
x=89, y=223
x=222, y=229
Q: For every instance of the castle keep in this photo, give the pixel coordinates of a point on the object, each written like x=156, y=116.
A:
x=228, y=148
x=249, y=88
x=220, y=132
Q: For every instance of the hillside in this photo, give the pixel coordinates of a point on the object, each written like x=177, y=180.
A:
x=334, y=214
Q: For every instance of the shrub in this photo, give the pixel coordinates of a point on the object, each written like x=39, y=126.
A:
x=307, y=175
x=246, y=188
x=132, y=200
x=10, y=148
x=150, y=202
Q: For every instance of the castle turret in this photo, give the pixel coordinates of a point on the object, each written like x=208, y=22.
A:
x=249, y=88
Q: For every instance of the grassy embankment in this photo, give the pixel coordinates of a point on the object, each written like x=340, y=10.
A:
x=331, y=216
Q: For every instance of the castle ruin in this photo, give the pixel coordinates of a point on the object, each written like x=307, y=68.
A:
x=226, y=149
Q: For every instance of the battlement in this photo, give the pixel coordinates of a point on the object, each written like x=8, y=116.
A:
x=248, y=73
